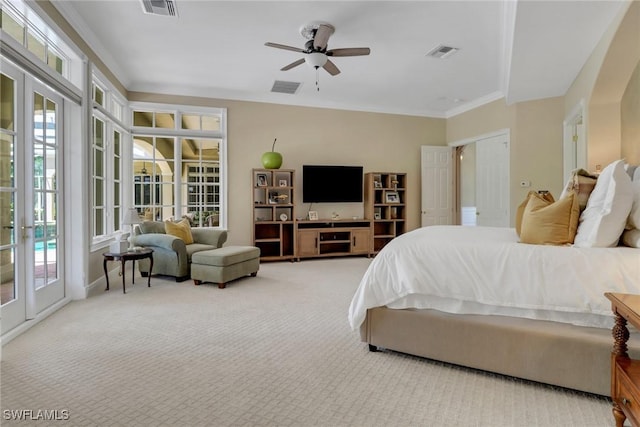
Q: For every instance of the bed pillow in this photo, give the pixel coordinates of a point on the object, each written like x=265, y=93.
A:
x=634, y=215
x=550, y=223
x=631, y=238
x=520, y=211
x=181, y=230
x=582, y=183
x=608, y=208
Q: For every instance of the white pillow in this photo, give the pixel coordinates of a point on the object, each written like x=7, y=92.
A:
x=631, y=238
x=604, y=218
x=634, y=216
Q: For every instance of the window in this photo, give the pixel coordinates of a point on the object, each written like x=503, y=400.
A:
x=107, y=160
x=28, y=32
x=179, y=164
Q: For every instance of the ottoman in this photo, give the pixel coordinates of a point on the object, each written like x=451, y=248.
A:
x=224, y=264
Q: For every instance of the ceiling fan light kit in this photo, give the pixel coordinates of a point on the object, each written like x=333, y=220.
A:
x=315, y=49
x=316, y=59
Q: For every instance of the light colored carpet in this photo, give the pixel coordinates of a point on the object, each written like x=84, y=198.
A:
x=275, y=350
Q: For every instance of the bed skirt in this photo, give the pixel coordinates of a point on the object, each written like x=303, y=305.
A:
x=548, y=352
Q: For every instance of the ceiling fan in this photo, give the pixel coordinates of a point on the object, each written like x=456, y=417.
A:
x=315, y=49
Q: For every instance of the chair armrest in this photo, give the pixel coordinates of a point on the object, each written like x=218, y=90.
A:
x=208, y=236
x=164, y=241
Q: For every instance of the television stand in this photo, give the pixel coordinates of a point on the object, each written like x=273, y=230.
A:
x=330, y=238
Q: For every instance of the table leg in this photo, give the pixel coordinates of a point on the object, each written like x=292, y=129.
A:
x=150, y=270
x=124, y=291
x=106, y=274
x=133, y=271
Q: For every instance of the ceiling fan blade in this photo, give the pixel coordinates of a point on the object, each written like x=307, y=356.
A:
x=331, y=68
x=322, y=37
x=283, y=46
x=293, y=64
x=349, y=51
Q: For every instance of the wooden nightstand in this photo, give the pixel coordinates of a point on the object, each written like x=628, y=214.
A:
x=625, y=372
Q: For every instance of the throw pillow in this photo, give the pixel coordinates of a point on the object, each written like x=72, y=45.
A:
x=631, y=238
x=550, y=223
x=582, y=183
x=605, y=216
x=181, y=230
x=520, y=211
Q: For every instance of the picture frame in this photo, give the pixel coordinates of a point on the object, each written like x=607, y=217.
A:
x=377, y=184
x=261, y=180
x=313, y=215
x=392, y=197
x=282, y=183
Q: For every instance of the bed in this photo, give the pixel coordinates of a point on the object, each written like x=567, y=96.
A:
x=475, y=296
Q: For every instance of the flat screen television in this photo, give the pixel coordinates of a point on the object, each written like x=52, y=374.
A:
x=331, y=184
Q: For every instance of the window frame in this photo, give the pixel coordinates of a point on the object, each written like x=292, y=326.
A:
x=111, y=112
x=178, y=134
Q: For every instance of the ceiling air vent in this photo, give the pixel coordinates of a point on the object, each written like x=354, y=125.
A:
x=160, y=7
x=442, y=51
x=280, y=86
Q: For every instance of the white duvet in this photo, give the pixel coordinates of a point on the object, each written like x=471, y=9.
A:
x=484, y=270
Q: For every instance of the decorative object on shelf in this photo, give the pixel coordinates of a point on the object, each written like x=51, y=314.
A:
x=335, y=215
x=377, y=184
x=282, y=183
x=261, y=180
x=275, y=198
x=313, y=215
x=392, y=197
x=376, y=215
x=283, y=217
x=272, y=159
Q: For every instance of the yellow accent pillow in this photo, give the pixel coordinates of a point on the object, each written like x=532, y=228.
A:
x=181, y=230
x=520, y=211
x=547, y=223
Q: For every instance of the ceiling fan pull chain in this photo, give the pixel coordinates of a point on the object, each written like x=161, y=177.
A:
x=317, y=79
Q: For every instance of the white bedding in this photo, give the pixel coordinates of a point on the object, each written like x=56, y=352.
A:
x=484, y=270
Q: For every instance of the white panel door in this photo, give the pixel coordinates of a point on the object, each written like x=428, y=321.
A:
x=492, y=181
x=437, y=185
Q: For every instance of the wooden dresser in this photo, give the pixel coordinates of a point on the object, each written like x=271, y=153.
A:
x=625, y=372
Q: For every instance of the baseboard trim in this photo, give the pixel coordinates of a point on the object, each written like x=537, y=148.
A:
x=23, y=327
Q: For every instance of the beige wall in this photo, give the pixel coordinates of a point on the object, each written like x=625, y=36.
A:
x=536, y=141
x=378, y=142
x=630, y=119
x=602, y=82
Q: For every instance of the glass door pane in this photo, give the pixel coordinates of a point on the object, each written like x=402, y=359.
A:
x=45, y=195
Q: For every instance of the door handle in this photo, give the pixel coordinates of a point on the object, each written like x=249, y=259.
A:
x=8, y=227
x=24, y=229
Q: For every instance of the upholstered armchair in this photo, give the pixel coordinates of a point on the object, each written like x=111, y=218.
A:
x=171, y=255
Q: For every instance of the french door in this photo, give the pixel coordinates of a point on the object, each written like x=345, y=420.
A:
x=31, y=134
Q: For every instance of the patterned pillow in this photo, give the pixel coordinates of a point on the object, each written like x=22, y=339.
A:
x=582, y=183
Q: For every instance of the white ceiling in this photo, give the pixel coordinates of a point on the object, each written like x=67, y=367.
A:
x=520, y=50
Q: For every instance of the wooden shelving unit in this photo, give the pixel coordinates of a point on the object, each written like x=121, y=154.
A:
x=384, y=205
x=324, y=238
x=274, y=213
